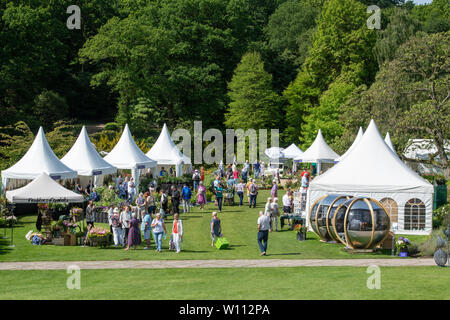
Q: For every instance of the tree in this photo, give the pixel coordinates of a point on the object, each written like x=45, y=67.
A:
x=342, y=45
x=411, y=96
x=401, y=27
x=49, y=107
x=254, y=105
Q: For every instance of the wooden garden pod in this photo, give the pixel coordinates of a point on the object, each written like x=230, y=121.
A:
x=364, y=225
x=319, y=215
x=331, y=215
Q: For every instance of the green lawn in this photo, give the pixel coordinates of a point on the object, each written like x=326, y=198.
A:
x=243, y=283
x=239, y=227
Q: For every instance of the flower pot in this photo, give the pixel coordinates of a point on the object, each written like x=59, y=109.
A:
x=403, y=254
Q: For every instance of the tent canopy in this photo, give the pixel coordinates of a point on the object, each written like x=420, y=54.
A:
x=388, y=141
x=83, y=158
x=43, y=189
x=39, y=158
x=127, y=155
x=357, y=139
x=292, y=152
x=371, y=167
x=165, y=152
x=319, y=151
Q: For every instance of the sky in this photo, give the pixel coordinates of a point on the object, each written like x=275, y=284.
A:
x=421, y=1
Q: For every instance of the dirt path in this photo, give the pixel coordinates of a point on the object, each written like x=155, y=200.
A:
x=259, y=263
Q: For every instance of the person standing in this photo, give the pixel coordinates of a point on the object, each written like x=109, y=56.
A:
x=164, y=202
x=202, y=174
x=140, y=204
x=134, y=236
x=150, y=204
x=110, y=215
x=131, y=190
x=125, y=218
x=125, y=186
x=196, y=179
x=240, y=191
x=263, y=232
x=175, y=197
x=256, y=168
x=177, y=232
x=216, y=228
x=146, y=228
x=219, y=196
x=90, y=218
x=159, y=228
x=253, y=189
x=274, y=214
x=117, y=228
x=201, y=195
x=261, y=171
x=274, y=190
x=186, y=195
x=119, y=181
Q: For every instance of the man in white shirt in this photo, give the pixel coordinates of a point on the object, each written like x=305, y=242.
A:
x=131, y=190
x=263, y=232
x=286, y=203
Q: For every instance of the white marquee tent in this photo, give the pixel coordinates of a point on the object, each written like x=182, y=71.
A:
x=349, y=150
x=43, y=189
x=166, y=153
x=319, y=152
x=388, y=141
x=292, y=152
x=84, y=158
x=373, y=170
x=39, y=159
x=127, y=155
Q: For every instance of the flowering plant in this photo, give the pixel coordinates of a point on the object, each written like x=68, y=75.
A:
x=98, y=232
x=402, y=244
x=299, y=228
x=43, y=206
x=76, y=211
x=70, y=226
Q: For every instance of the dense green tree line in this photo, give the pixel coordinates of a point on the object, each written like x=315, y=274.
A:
x=296, y=65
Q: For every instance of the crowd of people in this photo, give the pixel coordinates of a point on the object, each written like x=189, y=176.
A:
x=130, y=223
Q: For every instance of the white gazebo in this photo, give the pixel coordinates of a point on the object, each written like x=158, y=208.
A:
x=127, y=155
x=292, y=152
x=43, y=189
x=319, y=152
x=166, y=153
x=349, y=150
x=388, y=141
x=373, y=170
x=84, y=158
x=39, y=159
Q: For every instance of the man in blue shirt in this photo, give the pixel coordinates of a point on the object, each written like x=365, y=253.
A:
x=256, y=168
x=186, y=195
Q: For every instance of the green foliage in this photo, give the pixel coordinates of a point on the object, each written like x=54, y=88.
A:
x=441, y=216
x=254, y=105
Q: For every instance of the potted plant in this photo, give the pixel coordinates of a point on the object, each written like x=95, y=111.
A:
x=301, y=232
x=402, y=246
x=99, y=236
x=76, y=213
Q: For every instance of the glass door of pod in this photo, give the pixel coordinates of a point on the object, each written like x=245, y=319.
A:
x=366, y=223
x=319, y=215
x=336, y=232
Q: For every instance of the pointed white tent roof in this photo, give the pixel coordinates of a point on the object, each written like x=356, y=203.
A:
x=43, y=189
x=165, y=152
x=388, y=141
x=38, y=159
x=127, y=155
x=319, y=151
x=371, y=167
x=357, y=139
x=84, y=159
x=292, y=152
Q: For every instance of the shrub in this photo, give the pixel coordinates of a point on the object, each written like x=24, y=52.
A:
x=441, y=216
x=428, y=247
